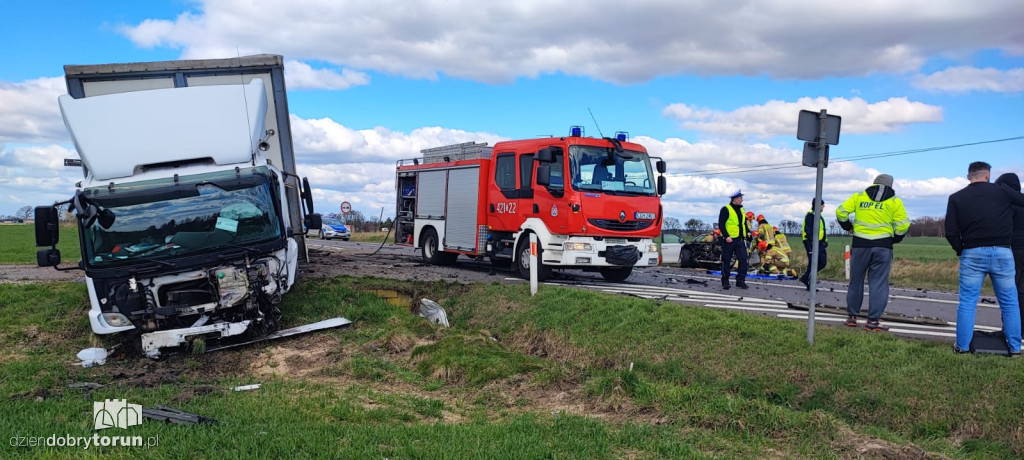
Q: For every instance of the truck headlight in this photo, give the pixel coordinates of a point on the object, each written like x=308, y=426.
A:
x=578, y=247
x=116, y=319
x=652, y=248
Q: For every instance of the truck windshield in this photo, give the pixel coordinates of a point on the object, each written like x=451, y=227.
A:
x=594, y=168
x=163, y=220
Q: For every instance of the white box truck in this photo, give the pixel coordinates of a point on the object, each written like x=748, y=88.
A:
x=190, y=214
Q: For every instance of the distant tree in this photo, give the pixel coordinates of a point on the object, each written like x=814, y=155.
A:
x=789, y=227
x=388, y=223
x=694, y=225
x=671, y=223
x=24, y=213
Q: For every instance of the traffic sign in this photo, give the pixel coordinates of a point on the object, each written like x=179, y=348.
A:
x=808, y=127
x=346, y=207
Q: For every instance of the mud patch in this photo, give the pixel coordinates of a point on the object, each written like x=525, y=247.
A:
x=302, y=357
x=853, y=445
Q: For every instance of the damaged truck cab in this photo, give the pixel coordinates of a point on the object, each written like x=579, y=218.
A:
x=190, y=215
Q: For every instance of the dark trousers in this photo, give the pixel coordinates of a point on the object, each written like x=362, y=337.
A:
x=822, y=260
x=737, y=249
x=875, y=263
x=1018, y=262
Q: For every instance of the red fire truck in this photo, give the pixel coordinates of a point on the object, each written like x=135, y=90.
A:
x=593, y=203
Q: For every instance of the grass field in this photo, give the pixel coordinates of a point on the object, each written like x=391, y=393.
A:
x=565, y=374
x=18, y=244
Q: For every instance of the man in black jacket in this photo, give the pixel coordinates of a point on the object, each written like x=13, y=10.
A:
x=979, y=221
x=807, y=235
x=1017, y=242
x=732, y=221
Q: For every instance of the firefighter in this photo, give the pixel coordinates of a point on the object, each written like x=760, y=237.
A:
x=764, y=230
x=782, y=242
x=751, y=223
x=713, y=236
x=773, y=259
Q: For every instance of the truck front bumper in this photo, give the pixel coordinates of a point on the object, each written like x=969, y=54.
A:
x=152, y=342
x=589, y=252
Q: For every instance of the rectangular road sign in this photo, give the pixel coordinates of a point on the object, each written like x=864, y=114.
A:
x=807, y=127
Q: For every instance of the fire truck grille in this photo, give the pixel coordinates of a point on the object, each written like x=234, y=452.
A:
x=614, y=225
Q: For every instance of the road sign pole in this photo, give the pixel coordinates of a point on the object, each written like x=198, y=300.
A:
x=812, y=264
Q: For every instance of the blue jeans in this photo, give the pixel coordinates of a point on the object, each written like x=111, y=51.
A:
x=875, y=263
x=997, y=263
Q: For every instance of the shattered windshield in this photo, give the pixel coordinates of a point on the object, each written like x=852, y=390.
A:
x=197, y=215
x=597, y=169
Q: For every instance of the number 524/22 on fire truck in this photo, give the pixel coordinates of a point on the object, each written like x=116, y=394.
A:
x=593, y=203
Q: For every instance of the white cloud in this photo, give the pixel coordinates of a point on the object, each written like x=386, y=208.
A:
x=29, y=111
x=966, y=79
x=300, y=75
x=775, y=117
x=501, y=41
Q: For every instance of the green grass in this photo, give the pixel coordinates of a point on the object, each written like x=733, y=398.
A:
x=567, y=373
x=19, y=244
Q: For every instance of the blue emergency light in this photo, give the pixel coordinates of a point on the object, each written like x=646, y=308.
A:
x=622, y=136
x=576, y=131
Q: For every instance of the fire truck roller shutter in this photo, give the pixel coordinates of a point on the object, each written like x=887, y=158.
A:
x=463, y=199
x=431, y=195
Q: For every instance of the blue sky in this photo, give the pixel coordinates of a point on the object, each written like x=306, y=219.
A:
x=709, y=86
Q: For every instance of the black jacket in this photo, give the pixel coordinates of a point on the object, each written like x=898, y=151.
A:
x=980, y=215
x=1017, y=242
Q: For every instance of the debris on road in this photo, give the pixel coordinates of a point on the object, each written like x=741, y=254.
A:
x=432, y=311
x=169, y=414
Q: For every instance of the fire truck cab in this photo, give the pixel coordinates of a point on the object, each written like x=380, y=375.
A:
x=593, y=203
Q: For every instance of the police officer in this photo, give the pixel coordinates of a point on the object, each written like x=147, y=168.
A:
x=879, y=221
x=732, y=222
x=807, y=234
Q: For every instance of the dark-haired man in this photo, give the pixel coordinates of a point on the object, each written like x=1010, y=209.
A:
x=979, y=226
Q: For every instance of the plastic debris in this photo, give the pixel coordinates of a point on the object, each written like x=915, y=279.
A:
x=432, y=311
x=93, y=357
x=254, y=386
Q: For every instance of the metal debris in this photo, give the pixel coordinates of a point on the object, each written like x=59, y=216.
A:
x=86, y=386
x=254, y=386
x=169, y=414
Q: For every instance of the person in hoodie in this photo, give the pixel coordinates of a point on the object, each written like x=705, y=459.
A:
x=879, y=220
x=979, y=221
x=1017, y=242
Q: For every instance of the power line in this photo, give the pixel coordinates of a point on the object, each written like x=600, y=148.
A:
x=798, y=164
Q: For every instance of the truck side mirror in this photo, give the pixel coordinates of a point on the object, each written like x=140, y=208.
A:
x=544, y=155
x=47, y=226
x=312, y=221
x=661, y=166
x=48, y=257
x=662, y=185
x=544, y=175
x=307, y=196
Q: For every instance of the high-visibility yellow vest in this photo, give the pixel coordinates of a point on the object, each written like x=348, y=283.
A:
x=734, y=222
x=874, y=220
x=782, y=242
x=765, y=232
x=821, y=228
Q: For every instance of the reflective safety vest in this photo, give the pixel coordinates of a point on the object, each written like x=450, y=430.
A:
x=776, y=257
x=821, y=229
x=874, y=220
x=733, y=224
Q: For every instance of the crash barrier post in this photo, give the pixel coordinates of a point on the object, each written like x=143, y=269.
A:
x=533, y=264
x=846, y=260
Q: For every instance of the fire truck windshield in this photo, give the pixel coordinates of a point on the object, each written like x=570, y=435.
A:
x=594, y=168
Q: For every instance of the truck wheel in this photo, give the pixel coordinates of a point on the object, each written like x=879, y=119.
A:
x=616, y=274
x=685, y=258
x=429, y=247
x=523, y=260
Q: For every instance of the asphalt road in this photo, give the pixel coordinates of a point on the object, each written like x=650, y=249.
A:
x=910, y=312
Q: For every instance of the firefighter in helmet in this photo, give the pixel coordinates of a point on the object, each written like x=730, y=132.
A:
x=764, y=230
x=713, y=236
x=774, y=260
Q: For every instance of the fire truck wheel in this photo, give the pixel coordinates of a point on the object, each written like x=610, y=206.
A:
x=616, y=274
x=431, y=253
x=523, y=260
